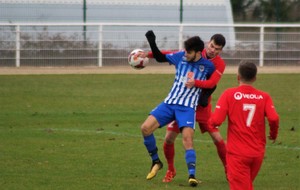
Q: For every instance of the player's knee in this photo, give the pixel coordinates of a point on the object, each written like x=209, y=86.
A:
x=169, y=139
x=145, y=130
x=187, y=142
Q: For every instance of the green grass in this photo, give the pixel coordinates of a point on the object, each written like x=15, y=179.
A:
x=82, y=132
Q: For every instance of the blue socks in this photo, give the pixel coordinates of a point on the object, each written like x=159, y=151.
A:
x=150, y=144
x=190, y=155
x=190, y=158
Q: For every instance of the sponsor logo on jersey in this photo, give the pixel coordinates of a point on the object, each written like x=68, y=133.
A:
x=239, y=96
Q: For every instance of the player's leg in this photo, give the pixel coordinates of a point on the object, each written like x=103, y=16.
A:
x=202, y=116
x=158, y=117
x=169, y=150
x=186, y=122
x=220, y=145
x=238, y=173
x=255, y=167
x=147, y=128
x=190, y=154
x=218, y=141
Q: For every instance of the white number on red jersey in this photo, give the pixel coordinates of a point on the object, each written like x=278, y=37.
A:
x=251, y=108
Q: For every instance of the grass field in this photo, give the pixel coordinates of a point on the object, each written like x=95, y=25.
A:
x=67, y=132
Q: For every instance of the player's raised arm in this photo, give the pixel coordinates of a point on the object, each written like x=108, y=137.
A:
x=157, y=54
x=150, y=53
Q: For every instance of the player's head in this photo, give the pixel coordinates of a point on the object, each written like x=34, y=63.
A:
x=194, y=44
x=219, y=40
x=247, y=72
x=193, y=48
x=215, y=45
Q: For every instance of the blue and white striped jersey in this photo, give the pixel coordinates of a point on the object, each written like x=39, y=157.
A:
x=201, y=70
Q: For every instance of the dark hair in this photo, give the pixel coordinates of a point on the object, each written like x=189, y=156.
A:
x=219, y=39
x=194, y=43
x=247, y=71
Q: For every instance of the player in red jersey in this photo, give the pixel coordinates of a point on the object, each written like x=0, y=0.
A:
x=246, y=108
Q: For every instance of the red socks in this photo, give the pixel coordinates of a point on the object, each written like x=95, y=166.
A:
x=169, y=154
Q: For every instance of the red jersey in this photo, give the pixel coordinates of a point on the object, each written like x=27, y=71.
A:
x=203, y=113
x=246, y=108
x=217, y=74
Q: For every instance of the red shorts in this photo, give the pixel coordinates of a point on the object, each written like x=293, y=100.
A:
x=202, y=116
x=203, y=113
x=173, y=127
x=242, y=170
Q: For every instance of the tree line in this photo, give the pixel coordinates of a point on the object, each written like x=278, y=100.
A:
x=269, y=11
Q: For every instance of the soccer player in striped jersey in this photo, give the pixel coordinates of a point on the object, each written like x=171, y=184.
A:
x=181, y=102
x=203, y=111
x=246, y=108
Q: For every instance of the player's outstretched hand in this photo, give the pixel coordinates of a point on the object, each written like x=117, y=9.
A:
x=150, y=36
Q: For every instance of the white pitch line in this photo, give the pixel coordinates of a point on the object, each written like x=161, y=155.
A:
x=157, y=137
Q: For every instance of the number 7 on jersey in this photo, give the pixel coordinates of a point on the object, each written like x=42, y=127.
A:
x=251, y=108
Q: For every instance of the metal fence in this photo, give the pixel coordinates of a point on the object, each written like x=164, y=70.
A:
x=108, y=44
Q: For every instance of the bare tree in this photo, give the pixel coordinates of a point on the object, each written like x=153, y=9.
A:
x=240, y=8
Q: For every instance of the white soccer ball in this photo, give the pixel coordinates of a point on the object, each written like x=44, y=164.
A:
x=137, y=62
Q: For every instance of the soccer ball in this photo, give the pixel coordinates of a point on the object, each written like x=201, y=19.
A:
x=137, y=62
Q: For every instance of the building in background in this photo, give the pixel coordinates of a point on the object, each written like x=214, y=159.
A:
x=166, y=11
x=124, y=11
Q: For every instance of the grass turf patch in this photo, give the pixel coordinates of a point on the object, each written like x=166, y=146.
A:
x=82, y=132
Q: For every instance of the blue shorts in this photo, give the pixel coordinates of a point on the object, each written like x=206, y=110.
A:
x=166, y=113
